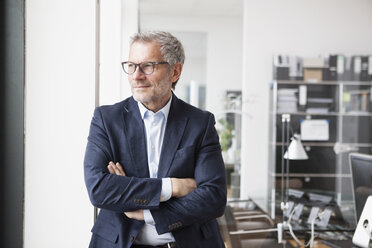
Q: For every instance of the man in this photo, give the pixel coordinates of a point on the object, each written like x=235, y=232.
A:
x=153, y=163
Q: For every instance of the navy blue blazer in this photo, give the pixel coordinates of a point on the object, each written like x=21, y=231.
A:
x=190, y=149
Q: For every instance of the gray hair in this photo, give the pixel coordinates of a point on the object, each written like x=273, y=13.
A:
x=170, y=47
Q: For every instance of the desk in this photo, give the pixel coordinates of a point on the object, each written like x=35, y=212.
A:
x=245, y=224
x=327, y=244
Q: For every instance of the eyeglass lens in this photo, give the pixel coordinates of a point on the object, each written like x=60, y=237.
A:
x=146, y=67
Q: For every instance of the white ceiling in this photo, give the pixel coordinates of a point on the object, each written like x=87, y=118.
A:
x=194, y=42
x=217, y=8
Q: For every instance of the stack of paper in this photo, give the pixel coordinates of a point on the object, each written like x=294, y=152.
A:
x=319, y=105
x=287, y=100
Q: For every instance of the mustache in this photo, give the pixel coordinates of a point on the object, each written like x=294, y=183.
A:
x=140, y=84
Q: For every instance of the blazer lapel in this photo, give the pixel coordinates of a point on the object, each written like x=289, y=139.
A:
x=176, y=124
x=135, y=133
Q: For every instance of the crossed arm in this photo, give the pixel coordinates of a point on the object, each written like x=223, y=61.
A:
x=119, y=193
x=180, y=187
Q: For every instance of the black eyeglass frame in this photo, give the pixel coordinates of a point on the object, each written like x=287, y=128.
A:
x=140, y=66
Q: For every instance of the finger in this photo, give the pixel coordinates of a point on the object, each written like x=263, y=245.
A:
x=110, y=168
x=137, y=214
x=130, y=215
x=127, y=214
x=120, y=168
x=117, y=172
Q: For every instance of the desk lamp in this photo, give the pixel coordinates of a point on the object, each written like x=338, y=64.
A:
x=295, y=151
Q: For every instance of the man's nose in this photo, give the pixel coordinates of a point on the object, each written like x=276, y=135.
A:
x=138, y=74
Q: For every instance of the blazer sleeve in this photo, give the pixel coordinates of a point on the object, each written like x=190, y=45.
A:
x=208, y=200
x=109, y=191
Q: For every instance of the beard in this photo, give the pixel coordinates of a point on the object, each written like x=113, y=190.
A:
x=151, y=94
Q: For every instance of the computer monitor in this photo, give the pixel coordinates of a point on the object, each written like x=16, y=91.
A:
x=361, y=170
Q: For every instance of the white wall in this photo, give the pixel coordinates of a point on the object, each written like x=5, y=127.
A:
x=60, y=99
x=110, y=52
x=129, y=26
x=119, y=20
x=304, y=28
x=193, y=69
x=59, y=102
x=224, y=50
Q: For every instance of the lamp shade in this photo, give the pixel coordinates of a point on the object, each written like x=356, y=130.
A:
x=295, y=149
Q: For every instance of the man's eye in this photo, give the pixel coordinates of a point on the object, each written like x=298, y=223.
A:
x=147, y=65
x=130, y=65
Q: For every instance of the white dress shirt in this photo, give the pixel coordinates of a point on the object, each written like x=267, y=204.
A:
x=155, y=124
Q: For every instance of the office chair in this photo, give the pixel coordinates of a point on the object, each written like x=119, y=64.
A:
x=247, y=229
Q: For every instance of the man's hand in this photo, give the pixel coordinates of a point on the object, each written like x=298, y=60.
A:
x=116, y=169
x=182, y=186
x=137, y=214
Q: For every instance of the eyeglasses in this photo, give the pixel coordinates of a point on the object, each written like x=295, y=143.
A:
x=145, y=67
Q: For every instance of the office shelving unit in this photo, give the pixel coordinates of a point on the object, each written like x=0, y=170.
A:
x=347, y=105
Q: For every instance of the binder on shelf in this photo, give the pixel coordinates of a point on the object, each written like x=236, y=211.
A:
x=281, y=67
x=295, y=68
x=340, y=66
x=370, y=68
x=364, y=69
x=332, y=68
x=348, y=70
x=357, y=67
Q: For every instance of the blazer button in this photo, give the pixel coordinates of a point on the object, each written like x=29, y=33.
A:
x=145, y=202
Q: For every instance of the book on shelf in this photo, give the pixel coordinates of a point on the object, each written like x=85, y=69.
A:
x=357, y=101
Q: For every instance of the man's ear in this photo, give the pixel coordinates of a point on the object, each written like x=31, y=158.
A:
x=176, y=72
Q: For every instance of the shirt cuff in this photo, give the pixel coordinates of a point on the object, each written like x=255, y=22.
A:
x=166, y=189
x=148, y=217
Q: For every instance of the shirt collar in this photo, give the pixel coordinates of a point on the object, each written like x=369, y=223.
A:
x=164, y=110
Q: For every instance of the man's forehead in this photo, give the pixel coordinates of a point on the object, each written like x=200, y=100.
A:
x=145, y=49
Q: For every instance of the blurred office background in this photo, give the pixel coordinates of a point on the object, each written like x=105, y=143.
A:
x=62, y=58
